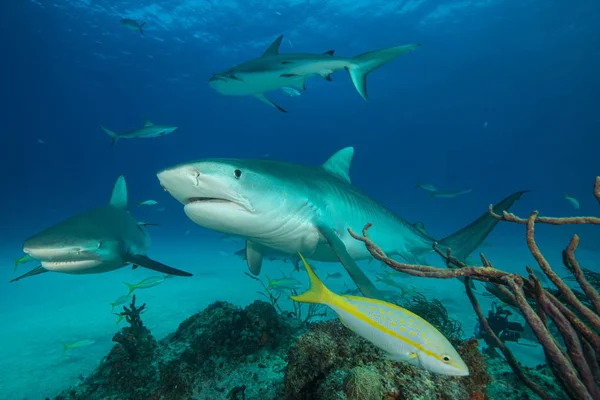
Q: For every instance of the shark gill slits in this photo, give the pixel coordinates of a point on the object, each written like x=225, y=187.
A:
x=237, y=173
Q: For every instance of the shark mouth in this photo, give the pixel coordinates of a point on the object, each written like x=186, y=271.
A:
x=216, y=201
x=224, y=77
x=207, y=199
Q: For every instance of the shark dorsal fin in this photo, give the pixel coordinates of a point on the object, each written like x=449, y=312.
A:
x=147, y=122
x=119, y=194
x=329, y=52
x=273, y=49
x=420, y=226
x=339, y=164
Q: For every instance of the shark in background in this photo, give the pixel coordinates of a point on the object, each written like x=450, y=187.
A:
x=149, y=130
x=273, y=71
x=99, y=240
x=307, y=209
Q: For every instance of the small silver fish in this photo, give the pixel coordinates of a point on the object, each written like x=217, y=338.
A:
x=119, y=301
x=79, y=343
x=335, y=275
x=290, y=91
x=284, y=284
x=447, y=194
x=146, y=283
x=425, y=186
x=147, y=203
x=133, y=24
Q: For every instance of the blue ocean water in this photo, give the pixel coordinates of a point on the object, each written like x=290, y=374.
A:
x=500, y=97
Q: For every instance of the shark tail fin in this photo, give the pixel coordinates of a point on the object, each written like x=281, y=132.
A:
x=469, y=238
x=65, y=348
x=366, y=63
x=317, y=293
x=114, y=137
x=142, y=27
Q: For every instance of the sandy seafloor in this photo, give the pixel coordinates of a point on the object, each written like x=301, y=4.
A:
x=40, y=312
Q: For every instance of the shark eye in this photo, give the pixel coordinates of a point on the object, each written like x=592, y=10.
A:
x=446, y=358
x=237, y=173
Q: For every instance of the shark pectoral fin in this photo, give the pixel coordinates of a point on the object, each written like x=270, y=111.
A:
x=254, y=257
x=35, y=271
x=358, y=276
x=143, y=261
x=327, y=77
x=262, y=98
x=119, y=194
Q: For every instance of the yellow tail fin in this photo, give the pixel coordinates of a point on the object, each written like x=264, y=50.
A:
x=317, y=293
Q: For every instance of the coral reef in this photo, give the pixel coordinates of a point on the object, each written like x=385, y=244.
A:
x=221, y=352
x=332, y=362
x=256, y=353
x=576, y=365
x=128, y=370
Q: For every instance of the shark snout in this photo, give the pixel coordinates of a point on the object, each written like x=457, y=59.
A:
x=179, y=182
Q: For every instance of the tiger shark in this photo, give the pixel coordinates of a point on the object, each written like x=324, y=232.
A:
x=99, y=240
x=149, y=130
x=272, y=71
x=308, y=209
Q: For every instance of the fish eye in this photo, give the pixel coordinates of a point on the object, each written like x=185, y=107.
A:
x=446, y=358
x=237, y=173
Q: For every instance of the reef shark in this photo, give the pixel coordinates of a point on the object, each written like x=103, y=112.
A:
x=149, y=130
x=99, y=240
x=308, y=209
x=272, y=71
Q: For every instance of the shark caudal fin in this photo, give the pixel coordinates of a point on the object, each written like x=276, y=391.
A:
x=366, y=63
x=113, y=136
x=469, y=238
x=142, y=27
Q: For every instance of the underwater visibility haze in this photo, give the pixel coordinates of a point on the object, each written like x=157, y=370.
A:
x=362, y=200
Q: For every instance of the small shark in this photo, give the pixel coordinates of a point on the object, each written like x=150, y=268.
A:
x=273, y=71
x=99, y=240
x=308, y=209
x=133, y=24
x=149, y=130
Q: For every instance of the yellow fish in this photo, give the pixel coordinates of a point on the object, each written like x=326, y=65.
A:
x=403, y=335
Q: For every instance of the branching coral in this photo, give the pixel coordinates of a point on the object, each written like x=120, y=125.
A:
x=313, y=311
x=576, y=367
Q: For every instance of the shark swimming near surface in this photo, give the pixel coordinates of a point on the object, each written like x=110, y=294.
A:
x=99, y=240
x=308, y=209
x=149, y=130
x=273, y=70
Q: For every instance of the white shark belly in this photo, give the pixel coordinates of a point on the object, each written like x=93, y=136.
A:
x=82, y=266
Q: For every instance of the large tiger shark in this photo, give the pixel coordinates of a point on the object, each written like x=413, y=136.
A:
x=99, y=240
x=307, y=209
x=272, y=71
